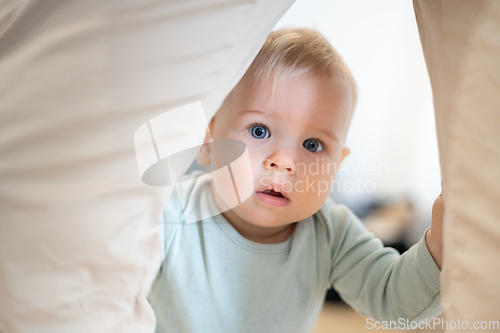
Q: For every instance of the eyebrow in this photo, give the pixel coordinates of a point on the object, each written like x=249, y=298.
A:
x=327, y=133
x=255, y=111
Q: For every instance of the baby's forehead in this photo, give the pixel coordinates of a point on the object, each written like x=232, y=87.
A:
x=275, y=87
x=305, y=90
x=303, y=102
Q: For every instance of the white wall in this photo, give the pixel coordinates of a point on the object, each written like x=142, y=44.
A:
x=393, y=128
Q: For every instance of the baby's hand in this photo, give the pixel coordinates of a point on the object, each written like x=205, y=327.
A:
x=434, y=237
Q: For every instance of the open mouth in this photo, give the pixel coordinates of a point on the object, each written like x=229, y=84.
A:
x=273, y=198
x=273, y=193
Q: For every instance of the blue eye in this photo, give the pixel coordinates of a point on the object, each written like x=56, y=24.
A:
x=259, y=131
x=313, y=145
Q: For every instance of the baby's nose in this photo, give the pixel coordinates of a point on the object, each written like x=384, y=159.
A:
x=281, y=163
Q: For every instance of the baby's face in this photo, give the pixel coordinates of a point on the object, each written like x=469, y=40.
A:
x=295, y=144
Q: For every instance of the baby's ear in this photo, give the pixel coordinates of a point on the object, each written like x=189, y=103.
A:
x=203, y=157
x=345, y=151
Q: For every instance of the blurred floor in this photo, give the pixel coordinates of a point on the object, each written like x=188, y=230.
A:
x=338, y=317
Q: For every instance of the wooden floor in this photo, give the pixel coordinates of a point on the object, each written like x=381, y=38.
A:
x=338, y=317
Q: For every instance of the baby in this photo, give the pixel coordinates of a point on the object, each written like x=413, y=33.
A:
x=264, y=264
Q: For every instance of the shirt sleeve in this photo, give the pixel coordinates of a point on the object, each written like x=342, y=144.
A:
x=375, y=280
x=171, y=220
x=173, y=211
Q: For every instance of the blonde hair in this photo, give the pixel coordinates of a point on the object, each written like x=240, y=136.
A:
x=293, y=52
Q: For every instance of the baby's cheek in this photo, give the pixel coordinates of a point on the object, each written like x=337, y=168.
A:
x=224, y=188
x=243, y=176
x=306, y=207
x=253, y=157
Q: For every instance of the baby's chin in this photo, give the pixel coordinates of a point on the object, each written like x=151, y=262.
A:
x=266, y=219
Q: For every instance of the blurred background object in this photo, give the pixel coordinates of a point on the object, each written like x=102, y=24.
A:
x=337, y=317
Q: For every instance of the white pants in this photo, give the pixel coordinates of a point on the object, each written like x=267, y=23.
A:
x=79, y=241
x=461, y=43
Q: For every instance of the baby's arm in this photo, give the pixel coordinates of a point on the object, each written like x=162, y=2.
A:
x=377, y=281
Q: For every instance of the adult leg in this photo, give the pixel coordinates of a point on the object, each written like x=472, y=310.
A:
x=79, y=241
x=461, y=45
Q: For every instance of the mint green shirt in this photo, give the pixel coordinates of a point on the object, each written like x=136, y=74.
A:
x=214, y=280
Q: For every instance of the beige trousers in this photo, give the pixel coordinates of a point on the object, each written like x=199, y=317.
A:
x=79, y=241
x=461, y=44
